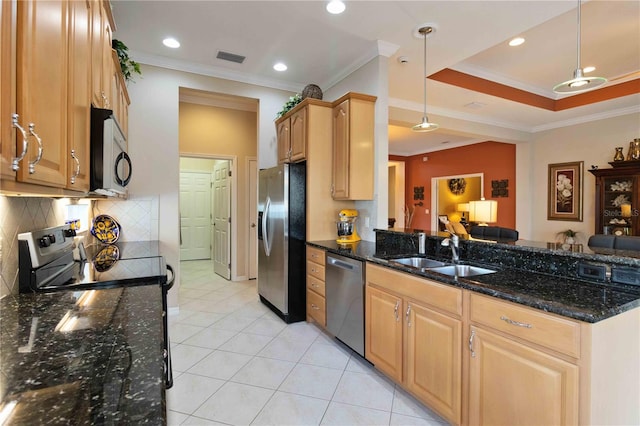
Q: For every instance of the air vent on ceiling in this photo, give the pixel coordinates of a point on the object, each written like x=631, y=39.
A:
x=231, y=57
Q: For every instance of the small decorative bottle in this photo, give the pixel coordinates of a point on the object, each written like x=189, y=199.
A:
x=636, y=149
x=630, y=152
x=619, y=155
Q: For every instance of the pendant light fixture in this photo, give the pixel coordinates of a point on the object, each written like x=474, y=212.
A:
x=425, y=125
x=579, y=83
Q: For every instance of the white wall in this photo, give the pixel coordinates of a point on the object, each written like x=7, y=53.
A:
x=153, y=142
x=594, y=143
x=372, y=79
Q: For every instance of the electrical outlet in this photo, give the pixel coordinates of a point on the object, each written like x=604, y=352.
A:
x=366, y=221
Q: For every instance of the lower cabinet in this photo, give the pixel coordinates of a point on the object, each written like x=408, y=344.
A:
x=412, y=341
x=316, y=307
x=513, y=384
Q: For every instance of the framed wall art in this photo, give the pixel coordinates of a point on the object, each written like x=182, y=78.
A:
x=565, y=192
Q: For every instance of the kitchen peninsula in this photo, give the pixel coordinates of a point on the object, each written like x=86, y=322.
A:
x=565, y=349
x=87, y=357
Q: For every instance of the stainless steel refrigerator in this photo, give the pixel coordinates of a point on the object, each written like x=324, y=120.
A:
x=281, y=240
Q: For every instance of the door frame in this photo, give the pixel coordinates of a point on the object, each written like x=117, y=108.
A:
x=434, y=193
x=252, y=205
x=233, y=160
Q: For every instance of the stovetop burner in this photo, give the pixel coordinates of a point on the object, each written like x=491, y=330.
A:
x=47, y=263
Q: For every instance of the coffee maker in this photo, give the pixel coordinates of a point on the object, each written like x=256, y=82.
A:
x=347, y=232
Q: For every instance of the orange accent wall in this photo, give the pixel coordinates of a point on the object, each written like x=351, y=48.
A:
x=495, y=159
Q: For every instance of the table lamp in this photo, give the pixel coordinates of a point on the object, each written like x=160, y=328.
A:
x=483, y=211
x=463, y=207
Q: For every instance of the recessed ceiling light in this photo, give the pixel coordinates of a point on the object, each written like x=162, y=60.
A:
x=335, y=7
x=516, y=41
x=171, y=42
x=589, y=69
x=280, y=67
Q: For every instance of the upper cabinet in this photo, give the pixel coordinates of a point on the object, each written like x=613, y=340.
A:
x=353, y=147
x=48, y=64
x=101, y=57
x=292, y=135
x=617, y=197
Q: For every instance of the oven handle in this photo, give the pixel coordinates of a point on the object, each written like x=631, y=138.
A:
x=169, y=283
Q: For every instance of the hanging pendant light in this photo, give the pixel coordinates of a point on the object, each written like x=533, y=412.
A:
x=425, y=125
x=579, y=83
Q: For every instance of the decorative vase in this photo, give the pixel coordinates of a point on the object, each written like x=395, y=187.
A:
x=619, y=155
x=634, y=150
x=312, y=91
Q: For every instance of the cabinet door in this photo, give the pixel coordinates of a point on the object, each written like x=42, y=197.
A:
x=340, y=171
x=383, y=332
x=79, y=95
x=41, y=76
x=299, y=135
x=513, y=384
x=284, y=140
x=434, y=359
x=7, y=87
x=100, y=55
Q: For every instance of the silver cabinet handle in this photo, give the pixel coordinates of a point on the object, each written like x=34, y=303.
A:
x=473, y=335
x=32, y=164
x=25, y=143
x=516, y=323
x=76, y=173
x=407, y=316
x=314, y=306
x=395, y=310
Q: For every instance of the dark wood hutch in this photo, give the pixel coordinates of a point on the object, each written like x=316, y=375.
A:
x=617, y=198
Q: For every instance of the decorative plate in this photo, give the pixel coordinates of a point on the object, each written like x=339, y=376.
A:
x=106, y=229
x=106, y=258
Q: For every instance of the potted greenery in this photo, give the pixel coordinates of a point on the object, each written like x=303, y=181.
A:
x=569, y=235
x=127, y=65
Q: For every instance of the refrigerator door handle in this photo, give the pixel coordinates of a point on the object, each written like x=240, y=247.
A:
x=265, y=234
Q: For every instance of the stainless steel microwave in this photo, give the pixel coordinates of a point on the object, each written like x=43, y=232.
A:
x=110, y=164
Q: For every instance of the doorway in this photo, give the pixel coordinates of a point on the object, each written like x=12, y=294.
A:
x=206, y=207
x=396, y=193
x=445, y=200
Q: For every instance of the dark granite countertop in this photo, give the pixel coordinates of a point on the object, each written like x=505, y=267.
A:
x=581, y=300
x=84, y=357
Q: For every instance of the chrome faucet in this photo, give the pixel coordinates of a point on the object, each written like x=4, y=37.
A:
x=454, y=242
x=422, y=243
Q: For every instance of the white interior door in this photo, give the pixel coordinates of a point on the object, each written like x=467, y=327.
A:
x=195, y=215
x=253, y=219
x=221, y=219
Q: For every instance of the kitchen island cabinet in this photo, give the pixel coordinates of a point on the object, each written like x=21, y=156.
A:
x=413, y=333
x=92, y=357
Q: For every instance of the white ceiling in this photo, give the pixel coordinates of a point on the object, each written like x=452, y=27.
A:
x=471, y=37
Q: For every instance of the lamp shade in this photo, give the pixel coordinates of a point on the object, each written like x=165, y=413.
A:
x=625, y=210
x=463, y=207
x=483, y=211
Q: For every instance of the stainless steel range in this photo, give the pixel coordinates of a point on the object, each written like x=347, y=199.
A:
x=49, y=261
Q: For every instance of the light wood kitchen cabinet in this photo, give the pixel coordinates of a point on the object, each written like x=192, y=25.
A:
x=413, y=333
x=79, y=96
x=514, y=384
x=41, y=96
x=119, y=95
x=316, y=307
x=292, y=136
x=101, y=57
x=7, y=87
x=353, y=147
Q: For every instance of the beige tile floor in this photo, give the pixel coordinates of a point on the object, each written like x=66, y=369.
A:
x=236, y=363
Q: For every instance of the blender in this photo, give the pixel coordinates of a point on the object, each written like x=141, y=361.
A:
x=347, y=232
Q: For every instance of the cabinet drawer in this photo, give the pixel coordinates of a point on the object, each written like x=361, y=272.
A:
x=315, y=284
x=553, y=332
x=315, y=255
x=316, y=308
x=315, y=270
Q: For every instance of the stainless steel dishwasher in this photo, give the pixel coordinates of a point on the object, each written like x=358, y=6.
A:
x=344, y=291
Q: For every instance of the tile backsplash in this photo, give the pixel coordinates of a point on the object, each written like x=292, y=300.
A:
x=22, y=214
x=138, y=218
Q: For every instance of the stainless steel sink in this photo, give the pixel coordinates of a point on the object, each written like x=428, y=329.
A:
x=419, y=262
x=462, y=270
